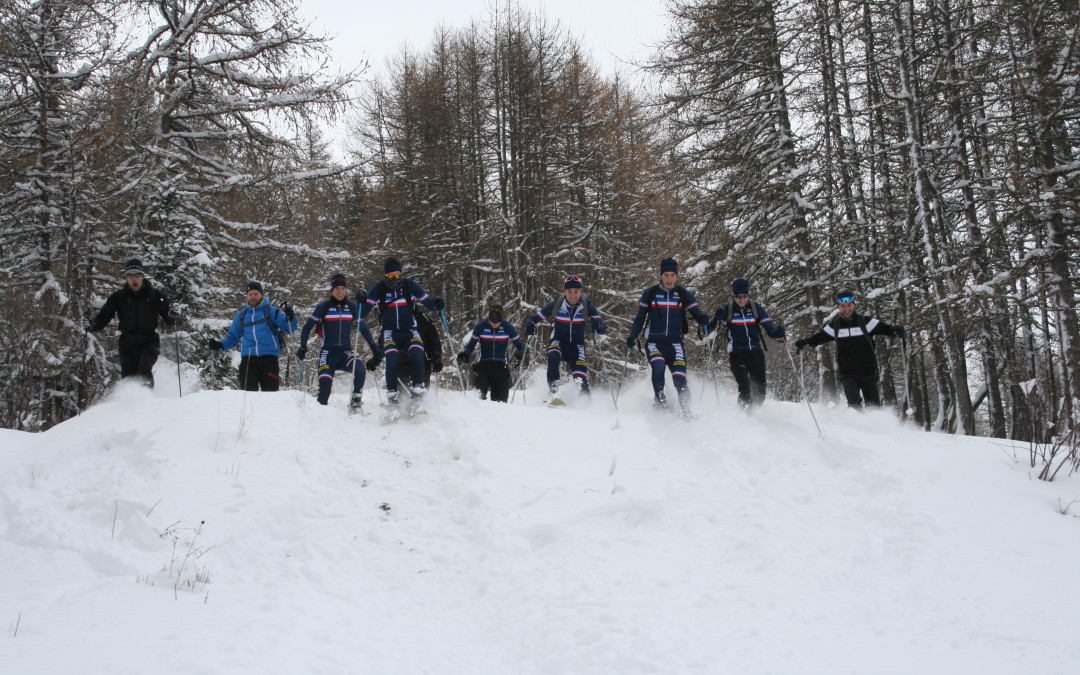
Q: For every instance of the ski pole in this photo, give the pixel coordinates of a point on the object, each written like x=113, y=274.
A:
x=521, y=370
x=176, y=339
x=446, y=331
x=802, y=385
x=907, y=392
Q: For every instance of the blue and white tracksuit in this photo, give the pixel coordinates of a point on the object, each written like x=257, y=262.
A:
x=494, y=342
x=664, y=338
x=399, y=331
x=745, y=354
x=336, y=320
x=568, y=336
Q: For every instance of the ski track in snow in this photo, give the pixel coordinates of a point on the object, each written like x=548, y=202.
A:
x=490, y=538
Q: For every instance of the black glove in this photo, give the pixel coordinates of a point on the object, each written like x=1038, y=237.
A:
x=215, y=345
x=901, y=333
x=800, y=343
x=301, y=353
x=373, y=363
x=463, y=357
x=517, y=358
x=377, y=351
x=436, y=365
x=530, y=328
x=440, y=304
x=630, y=342
x=289, y=313
x=174, y=311
x=88, y=325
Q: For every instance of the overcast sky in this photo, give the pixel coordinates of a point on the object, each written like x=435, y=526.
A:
x=614, y=30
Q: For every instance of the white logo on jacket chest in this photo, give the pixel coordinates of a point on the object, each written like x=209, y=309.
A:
x=849, y=332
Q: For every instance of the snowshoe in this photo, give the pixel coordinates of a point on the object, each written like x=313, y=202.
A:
x=356, y=405
x=392, y=410
x=554, y=400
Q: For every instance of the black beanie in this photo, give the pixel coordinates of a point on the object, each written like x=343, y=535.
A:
x=740, y=287
x=669, y=265
x=254, y=286
x=845, y=294
x=133, y=265
x=337, y=280
x=392, y=265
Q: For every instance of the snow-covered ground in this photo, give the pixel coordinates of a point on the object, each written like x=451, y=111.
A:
x=225, y=532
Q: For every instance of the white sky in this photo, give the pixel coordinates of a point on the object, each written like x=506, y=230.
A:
x=616, y=31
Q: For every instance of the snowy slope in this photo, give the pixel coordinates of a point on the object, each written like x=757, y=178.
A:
x=489, y=538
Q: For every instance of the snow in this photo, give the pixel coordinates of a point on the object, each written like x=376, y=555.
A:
x=499, y=538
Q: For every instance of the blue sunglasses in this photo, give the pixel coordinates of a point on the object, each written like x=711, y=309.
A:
x=845, y=299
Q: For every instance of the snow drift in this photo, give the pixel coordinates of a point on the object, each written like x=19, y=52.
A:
x=230, y=532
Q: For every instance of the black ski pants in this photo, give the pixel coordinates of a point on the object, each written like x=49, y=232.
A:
x=335, y=359
x=493, y=376
x=259, y=372
x=748, y=367
x=859, y=387
x=138, y=354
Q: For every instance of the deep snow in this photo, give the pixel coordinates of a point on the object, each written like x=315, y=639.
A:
x=492, y=538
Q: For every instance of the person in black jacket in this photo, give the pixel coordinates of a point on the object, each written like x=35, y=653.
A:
x=855, y=358
x=137, y=306
x=433, y=362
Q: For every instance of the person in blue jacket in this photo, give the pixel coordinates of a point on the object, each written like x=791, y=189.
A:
x=744, y=320
x=494, y=335
x=333, y=320
x=256, y=328
x=395, y=296
x=570, y=314
x=664, y=308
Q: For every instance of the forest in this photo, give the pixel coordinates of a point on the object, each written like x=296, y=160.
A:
x=922, y=153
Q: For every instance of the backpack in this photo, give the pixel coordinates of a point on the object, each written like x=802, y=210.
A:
x=383, y=288
x=757, y=320
x=682, y=294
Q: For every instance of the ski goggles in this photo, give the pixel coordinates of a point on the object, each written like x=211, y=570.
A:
x=393, y=275
x=845, y=300
x=572, y=277
x=740, y=296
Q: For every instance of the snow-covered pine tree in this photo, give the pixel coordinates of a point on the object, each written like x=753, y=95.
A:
x=220, y=96
x=51, y=207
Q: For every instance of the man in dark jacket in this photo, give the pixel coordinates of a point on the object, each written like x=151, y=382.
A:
x=855, y=358
x=572, y=315
x=433, y=362
x=744, y=320
x=395, y=296
x=494, y=335
x=333, y=319
x=257, y=328
x=137, y=305
x=664, y=306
